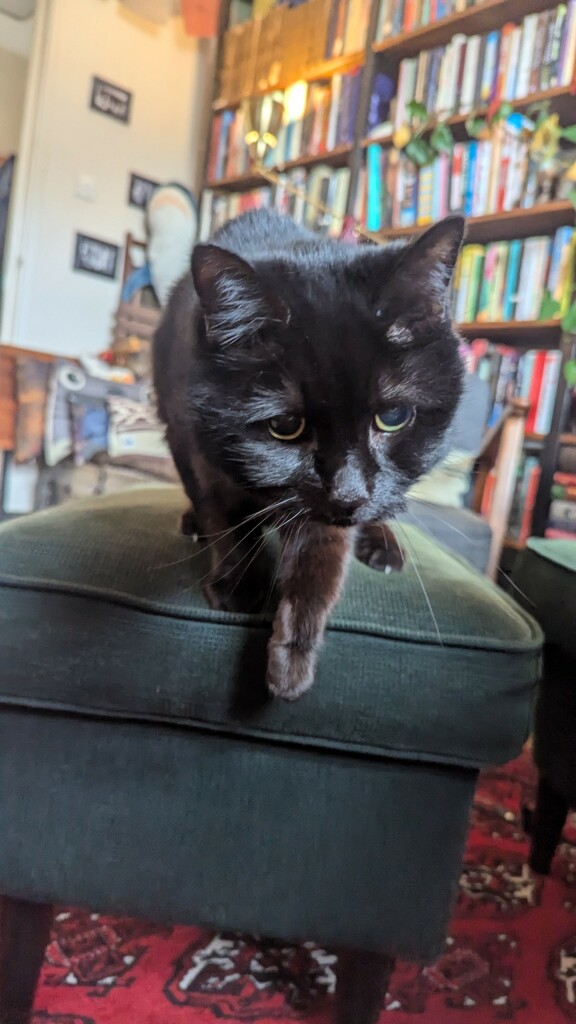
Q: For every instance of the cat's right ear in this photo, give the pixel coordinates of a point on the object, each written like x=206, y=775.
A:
x=234, y=303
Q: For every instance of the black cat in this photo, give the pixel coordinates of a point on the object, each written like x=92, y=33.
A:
x=305, y=384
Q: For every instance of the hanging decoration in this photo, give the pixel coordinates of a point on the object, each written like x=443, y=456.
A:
x=201, y=17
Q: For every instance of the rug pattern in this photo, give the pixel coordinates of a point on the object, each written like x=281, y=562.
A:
x=510, y=955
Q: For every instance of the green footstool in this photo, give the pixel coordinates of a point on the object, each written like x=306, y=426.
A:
x=545, y=576
x=145, y=771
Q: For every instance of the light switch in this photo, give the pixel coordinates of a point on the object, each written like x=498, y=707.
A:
x=86, y=187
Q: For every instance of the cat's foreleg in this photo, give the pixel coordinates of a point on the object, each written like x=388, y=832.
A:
x=312, y=572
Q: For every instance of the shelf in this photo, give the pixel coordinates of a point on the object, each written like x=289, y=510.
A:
x=315, y=73
x=521, y=333
x=252, y=179
x=494, y=227
x=484, y=17
x=561, y=99
x=515, y=545
x=569, y=440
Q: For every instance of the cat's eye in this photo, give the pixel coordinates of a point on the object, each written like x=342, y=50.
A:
x=286, y=428
x=393, y=419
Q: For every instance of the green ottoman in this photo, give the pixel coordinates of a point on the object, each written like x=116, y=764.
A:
x=545, y=576
x=145, y=771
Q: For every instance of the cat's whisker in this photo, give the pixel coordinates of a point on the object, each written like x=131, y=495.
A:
x=472, y=541
x=445, y=522
x=221, y=535
x=227, y=554
x=516, y=587
x=421, y=582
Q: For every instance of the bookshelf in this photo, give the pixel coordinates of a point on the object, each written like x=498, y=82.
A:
x=284, y=48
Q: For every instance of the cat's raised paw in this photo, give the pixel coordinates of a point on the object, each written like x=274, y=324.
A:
x=290, y=670
x=377, y=547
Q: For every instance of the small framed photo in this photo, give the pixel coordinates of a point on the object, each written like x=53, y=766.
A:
x=140, y=191
x=94, y=256
x=110, y=100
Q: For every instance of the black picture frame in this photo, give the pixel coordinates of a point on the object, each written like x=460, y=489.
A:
x=139, y=190
x=94, y=256
x=110, y=100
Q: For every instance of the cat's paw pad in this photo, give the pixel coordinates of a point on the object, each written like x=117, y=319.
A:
x=378, y=548
x=290, y=670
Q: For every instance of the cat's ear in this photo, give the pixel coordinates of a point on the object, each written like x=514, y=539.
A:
x=419, y=288
x=233, y=299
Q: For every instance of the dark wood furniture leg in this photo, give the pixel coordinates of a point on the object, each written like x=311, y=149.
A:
x=545, y=825
x=24, y=934
x=361, y=987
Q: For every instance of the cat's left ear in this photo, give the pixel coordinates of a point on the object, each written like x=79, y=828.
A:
x=419, y=286
x=234, y=301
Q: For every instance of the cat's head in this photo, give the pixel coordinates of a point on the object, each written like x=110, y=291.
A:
x=328, y=376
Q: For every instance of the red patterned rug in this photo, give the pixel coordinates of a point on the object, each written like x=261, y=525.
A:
x=511, y=955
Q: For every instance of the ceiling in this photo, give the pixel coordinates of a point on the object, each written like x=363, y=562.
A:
x=20, y=9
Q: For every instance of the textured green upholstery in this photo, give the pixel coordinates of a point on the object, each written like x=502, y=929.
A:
x=144, y=770
x=111, y=582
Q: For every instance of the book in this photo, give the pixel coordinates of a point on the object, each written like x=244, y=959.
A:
x=547, y=393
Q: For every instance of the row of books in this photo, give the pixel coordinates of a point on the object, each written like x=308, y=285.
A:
x=318, y=189
x=318, y=117
x=528, y=279
x=477, y=178
x=507, y=64
x=524, y=498
x=562, y=512
x=399, y=16
x=532, y=375
x=279, y=48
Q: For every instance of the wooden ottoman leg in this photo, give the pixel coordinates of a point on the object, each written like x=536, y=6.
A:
x=361, y=986
x=546, y=826
x=24, y=934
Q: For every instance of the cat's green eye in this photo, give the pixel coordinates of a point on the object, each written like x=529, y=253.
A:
x=286, y=428
x=390, y=421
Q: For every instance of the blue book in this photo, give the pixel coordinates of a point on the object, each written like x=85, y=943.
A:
x=470, y=175
x=374, y=188
x=353, y=101
x=490, y=68
x=512, y=273
x=383, y=90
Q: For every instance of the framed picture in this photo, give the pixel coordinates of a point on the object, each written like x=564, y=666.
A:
x=94, y=256
x=140, y=190
x=111, y=100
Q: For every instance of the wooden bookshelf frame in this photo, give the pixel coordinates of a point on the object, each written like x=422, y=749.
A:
x=519, y=223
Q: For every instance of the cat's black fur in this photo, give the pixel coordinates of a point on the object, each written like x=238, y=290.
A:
x=272, y=321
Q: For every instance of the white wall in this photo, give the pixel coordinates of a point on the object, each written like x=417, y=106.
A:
x=13, y=70
x=16, y=36
x=48, y=306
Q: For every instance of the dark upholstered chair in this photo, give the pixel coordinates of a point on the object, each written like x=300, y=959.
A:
x=545, y=575
x=143, y=769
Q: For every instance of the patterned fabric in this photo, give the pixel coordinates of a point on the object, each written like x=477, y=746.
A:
x=510, y=956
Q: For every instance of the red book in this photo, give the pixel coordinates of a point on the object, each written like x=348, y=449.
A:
x=535, y=383
x=565, y=479
x=532, y=488
x=487, y=494
x=552, y=534
x=409, y=23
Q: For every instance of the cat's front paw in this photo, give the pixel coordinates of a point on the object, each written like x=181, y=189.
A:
x=378, y=548
x=290, y=670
